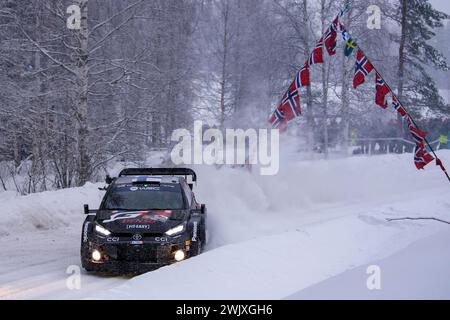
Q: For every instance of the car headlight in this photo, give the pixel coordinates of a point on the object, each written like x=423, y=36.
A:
x=175, y=230
x=102, y=230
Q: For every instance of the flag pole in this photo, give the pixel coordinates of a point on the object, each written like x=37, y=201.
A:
x=438, y=161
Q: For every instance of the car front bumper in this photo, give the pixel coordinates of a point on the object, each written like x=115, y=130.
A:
x=135, y=256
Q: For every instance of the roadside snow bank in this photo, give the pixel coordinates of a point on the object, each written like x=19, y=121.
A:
x=46, y=210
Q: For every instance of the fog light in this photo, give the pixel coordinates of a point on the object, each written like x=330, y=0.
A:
x=179, y=255
x=96, y=255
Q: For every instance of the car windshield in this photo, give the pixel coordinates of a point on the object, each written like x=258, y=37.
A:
x=145, y=197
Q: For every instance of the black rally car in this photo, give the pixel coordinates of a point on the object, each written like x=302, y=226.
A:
x=147, y=219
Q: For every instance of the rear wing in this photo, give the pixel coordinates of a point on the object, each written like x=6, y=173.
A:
x=159, y=172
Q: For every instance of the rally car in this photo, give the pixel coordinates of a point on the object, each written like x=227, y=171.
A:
x=148, y=218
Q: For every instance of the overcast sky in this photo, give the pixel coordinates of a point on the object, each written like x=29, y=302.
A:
x=442, y=5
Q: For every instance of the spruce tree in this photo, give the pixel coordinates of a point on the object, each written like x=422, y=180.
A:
x=418, y=21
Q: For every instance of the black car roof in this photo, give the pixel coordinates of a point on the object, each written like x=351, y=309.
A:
x=149, y=179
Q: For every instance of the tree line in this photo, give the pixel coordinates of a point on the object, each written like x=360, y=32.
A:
x=74, y=100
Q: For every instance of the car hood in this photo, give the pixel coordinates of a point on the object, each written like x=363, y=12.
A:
x=140, y=221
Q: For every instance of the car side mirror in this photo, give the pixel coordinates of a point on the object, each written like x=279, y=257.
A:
x=203, y=209
x=109, y=180
x=89, y=211
x=191, y=185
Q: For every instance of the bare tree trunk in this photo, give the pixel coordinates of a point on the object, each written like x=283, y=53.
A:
x=41, y=140
x=324, y=88
x=345, y=97
x=309, y=98
x=223, y=82
x=16, y=151
x=238, y=92
x=82, y=72
x=402, y=58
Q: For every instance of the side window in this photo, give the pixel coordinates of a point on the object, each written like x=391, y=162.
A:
x=188, y=193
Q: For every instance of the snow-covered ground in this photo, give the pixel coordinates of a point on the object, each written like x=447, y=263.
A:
x=445, y=93
x=310, y=231
x=419, y=272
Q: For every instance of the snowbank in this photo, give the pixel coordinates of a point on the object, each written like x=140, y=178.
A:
x=56, y=209
x=46, y=210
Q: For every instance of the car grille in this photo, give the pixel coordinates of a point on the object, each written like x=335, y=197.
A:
x=140, y=254
x=144, y=235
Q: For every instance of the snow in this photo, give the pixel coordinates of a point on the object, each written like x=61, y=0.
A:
x=276, y=266
x=445, y=93
x=405, y=275
x=316, y=225
x=46, y=210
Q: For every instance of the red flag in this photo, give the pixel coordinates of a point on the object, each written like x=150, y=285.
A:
x=422, y=158
x=335, y=24
x=317, y=54
x=418, y=135
x=278, y=120
x=398, y=107
x=363, y=68
x=303, y=78
x=331, y=40
x=382, y=90
x=290, y=104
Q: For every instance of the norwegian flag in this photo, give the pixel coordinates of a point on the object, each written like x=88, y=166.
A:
x=288, y=110
x=419, y=136
x=336, y=24
x=398, y=107
x=317, y=54
x=303, y=78
x=278, y=119
x=363, y=68
x=382, y=90
x=290, y=104
x=331, y=39
x=422, y=158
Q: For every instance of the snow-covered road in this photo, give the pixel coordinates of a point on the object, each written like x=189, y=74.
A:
x=37, y=266
x=41, y=241
x=271, y=237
